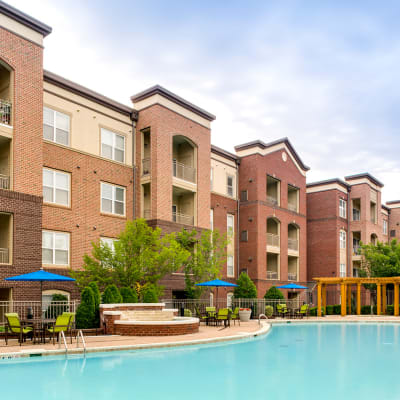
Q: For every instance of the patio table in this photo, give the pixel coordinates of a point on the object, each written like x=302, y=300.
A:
x=39, y=328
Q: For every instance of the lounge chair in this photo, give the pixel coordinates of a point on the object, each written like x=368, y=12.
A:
x=62, y=324
x=71, y=321
x=201, y=316
x=16, y=329
x=223, y=315
x=235, y=316
x=282, y=310
x=303, y=311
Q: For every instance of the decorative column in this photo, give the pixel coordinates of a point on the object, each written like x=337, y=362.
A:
x=384, y=299
x=324, y=296
x=396, y=299
x=378, y=299
x=358, y=298
x=319, y=299
x=349, y=297
x=343, y=299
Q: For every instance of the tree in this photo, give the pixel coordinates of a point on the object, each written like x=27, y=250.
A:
x=273, y=293
x=207, y=256
x=85, y=314
x=150, y=294
x=112, y=295
x=141, y=255
x=97, y=300
x=246, y=288
x=128, y=295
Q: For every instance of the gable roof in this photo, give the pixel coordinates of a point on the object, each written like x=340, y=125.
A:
x=263, y=145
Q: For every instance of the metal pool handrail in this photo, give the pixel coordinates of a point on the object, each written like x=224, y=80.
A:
x=80, y=333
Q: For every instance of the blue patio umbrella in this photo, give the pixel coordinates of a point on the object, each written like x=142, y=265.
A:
x=217, y=283
x=292, y=286
x=40, y=276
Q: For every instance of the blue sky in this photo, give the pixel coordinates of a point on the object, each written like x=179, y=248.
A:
x=323, y=73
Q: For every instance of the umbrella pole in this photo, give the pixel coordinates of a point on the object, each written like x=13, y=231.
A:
x=41, y=299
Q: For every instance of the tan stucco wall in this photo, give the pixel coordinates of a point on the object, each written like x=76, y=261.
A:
x=223, y=167
x=20, y=29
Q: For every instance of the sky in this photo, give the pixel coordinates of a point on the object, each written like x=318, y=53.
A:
x=325, y=74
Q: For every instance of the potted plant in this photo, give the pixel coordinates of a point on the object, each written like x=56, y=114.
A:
x=269, y=312
x=244, y=314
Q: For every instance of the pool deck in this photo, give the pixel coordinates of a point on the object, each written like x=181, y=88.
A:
x=206, y=334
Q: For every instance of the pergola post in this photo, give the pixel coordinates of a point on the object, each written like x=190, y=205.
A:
x=384, y=299
x=396, y=299
x=324, y=297
x=349, y=298
x=343, y=299
x=378, y=299
x=319, y=299
x=358, y=298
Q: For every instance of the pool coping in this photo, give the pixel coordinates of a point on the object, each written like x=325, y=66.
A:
x=265, y=328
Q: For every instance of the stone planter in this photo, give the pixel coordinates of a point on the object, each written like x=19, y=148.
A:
x=244, y=315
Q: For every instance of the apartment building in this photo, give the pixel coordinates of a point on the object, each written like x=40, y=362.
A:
x=272, y=207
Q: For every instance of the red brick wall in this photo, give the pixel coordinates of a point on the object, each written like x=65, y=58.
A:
x=156, y=330
x=253, y=173
x=84, y=220
x=394, y=223
x=25, y=58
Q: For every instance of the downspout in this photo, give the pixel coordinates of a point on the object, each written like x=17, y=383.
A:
x=238, y=218
x=134, y=117
x=349, y=238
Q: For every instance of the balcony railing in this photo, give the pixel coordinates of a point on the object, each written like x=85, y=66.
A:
x=273, y=201
x=147, y=214
x=292, y=207
x=5, y=112
x=146, y=166
x=292, y=276
x=356, y=250
x=272, y=275
x=183, y=218
x=356, y=214
x=4, y=182
x=293, y=244
x=272, y=239
x=184, y=172
x=4, y=256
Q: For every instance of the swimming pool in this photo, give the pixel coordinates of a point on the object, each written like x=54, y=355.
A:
x=303, y=361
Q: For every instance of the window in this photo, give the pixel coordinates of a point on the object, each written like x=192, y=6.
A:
x=342, y=270
x=112, y=145
x=47, y=298
x=342, y=208
x=393, y=233
x=229, y=224
x=56, y=187
x=55, y=248
x=229, y=267
x=212, y=219
x=342, y=239
x=229, y=299
x=229, y=185
x=385, y=227
x=109, y=242
x=243, y=195
x=212, y=178
x=112, y=199
x=244, y=236
x=56, y=126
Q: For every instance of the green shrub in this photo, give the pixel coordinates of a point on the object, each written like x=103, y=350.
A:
x=329, y=310
x=111, y=295
x=187, y=313
x=128, y=295
x=85, y=314
x=246, y=288
x=269, y=310
x=273, y=293
x=54, y=309
x=390, y=309
x=366, y=310
x=337, y=309
x=314, y=311
x=97, y=300
x=150, y=294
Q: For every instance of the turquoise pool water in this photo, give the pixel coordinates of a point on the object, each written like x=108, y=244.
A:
x=310, y=361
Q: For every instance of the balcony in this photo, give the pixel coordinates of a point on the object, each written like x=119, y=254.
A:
x=272, y=240
x=4, y=256
x=5, y=112
x=272, y=275
x=292, y=276
x=356, y=250
x=184, y=172
x=5, y=238
x=293, y=244
x=4, y=182
x=356, y=214
x=272, y=201
x=182, y=218
x=146, y=164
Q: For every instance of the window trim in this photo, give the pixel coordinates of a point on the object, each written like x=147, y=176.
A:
x=54, y=233
x=228, y=216
x=385, y=226
x=55, y=112
x=113, y=213
x=342, y=272
x=113, y=147
x=342, y=239
x=233, y=185
x=103, y=240
x=230, y=256
x=55, y=171
x=342, y=207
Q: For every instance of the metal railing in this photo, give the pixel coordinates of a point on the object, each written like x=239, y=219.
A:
x=272, y=239
x=183, y=218
x=272, y=275
x=80, y=334
x=292, y=276
x=356, y=250
x=4, y=182
x=62, y=334
x=292, y=207
x=36, y=309
x=146, y=164
x=147, y=214
x=5, y=112
x=183, y=171
x=293, y=244
x=356, y=214
x=4, y=256
x=272, y=200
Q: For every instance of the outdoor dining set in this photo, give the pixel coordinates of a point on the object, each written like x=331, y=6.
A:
x=212, y=317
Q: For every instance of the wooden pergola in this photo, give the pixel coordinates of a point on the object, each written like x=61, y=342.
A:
x=345, y=291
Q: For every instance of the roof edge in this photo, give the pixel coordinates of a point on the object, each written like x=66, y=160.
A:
x=329, y=181
x=393, y=202
x=24, y=19
x=224, y=153
x=89, y=94
x=157, y=89
x=364, y=175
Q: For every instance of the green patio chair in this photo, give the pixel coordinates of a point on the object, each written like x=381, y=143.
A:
x=201, y=316
x=71, y=321
x=235, y=316
x=62, y=324
x=223, y=316
x=282, y=310
x=15, y=327
x=211, y=311
x=303, y=311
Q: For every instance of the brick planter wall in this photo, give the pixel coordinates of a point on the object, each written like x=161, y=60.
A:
x=156, y=330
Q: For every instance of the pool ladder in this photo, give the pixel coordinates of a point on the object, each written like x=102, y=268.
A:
x=80, y=333
x=259, y=318
x=64, y=340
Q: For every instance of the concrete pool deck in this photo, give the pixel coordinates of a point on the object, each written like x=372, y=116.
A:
x=206, y=334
